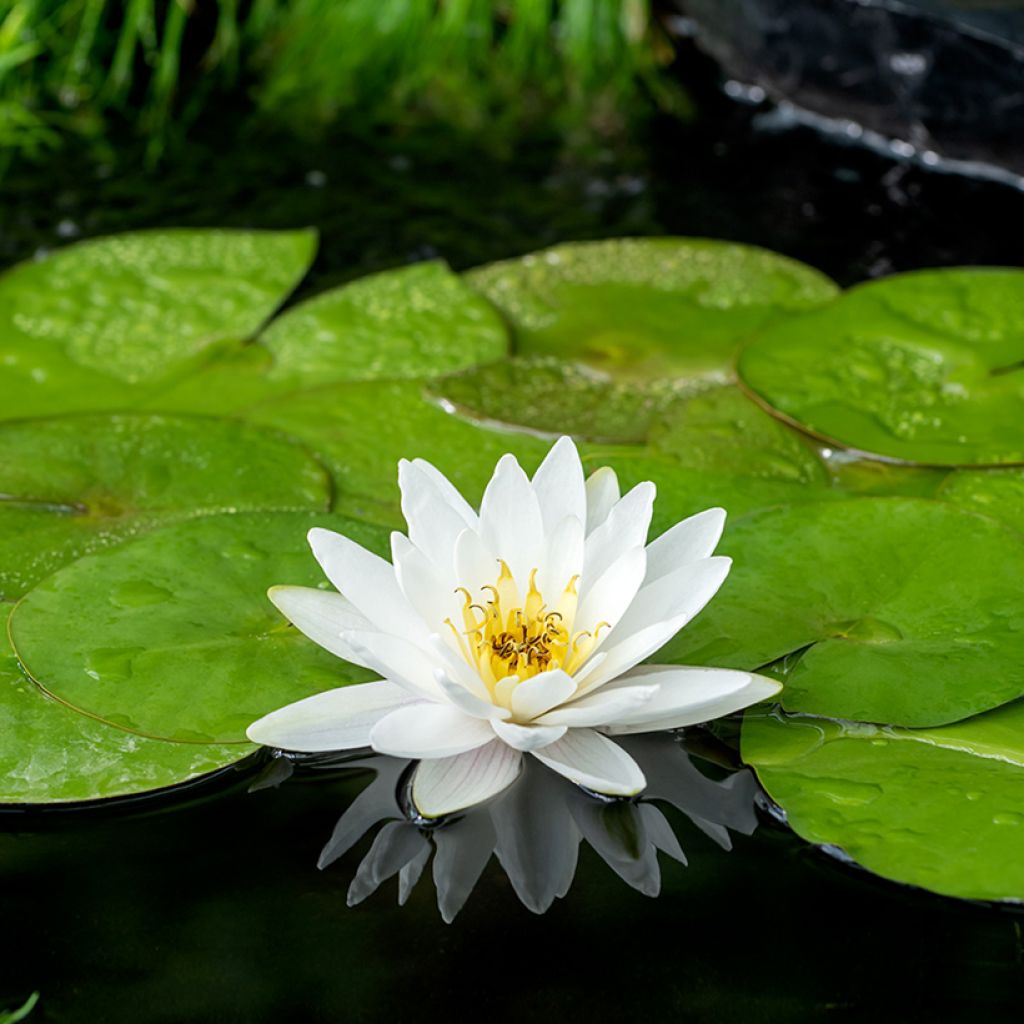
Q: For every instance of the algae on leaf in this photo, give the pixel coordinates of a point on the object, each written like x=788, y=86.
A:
x=925, y=367
x=906, y=611
x=938, y=808
x=53, y=754
x=76, y=484
x=98, y=324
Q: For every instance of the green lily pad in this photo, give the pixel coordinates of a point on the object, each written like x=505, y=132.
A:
x=909, y=609
x=52, y=754
x=992, y=492
x=938, y=808
x=410, y=322
x=648, y=307
x=172, y=635
x=94, y=325
x=925, y=367
x=76, y=484
x=360, y=431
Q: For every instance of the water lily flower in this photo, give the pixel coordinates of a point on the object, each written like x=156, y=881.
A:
x=521, y=629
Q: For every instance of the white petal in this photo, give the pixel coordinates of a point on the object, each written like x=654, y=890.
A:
x=606, y=705
x=679, y=595
x=625, y=527
x=602, y=490
x=686, y=696
x=367, y=581
x=527, y=737
x=444, y=785
x=532, y=697
x=431, y=596
x=335, y=720
x=449, y=492
x=321, y=615
x=510, y=522
x=475, y=565
x=692, y=539
x=621, y=657
x=564, y=559
x=559, y=485
x=592, y=760
x=608, y=598
x=402, y=662
x=429, y=730
x=468, y=701
x=433, y=522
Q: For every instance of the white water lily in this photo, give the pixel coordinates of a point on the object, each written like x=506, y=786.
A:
x=520, y=629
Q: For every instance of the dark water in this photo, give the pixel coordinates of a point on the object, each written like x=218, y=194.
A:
x=212, y=909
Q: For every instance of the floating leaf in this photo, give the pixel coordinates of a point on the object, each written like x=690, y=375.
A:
x=909, y=610
x=411, y=322
x=925, y=367
x=91, y=326
x=76, y=484
x=172, y=635
x=938, y=808
x=648, y=308
x=52, y=754
x=992, y=492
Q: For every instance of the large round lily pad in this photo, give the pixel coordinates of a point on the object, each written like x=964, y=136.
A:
x=94, y=325
x=992, y=492
x=73, y=485
x=907, y=611
x=644, y=308
x=939, y=808
x=924, y=367
x=53, y=754
x=410, y=322
x=172, y=635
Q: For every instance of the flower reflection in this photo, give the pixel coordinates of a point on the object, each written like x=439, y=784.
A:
x=535, y=827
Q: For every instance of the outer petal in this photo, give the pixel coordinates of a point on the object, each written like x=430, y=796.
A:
x=592, y=760
x=686, y=696
x=448, y=491
x=527, y=737
x=367, y=581
x=532, y=697
x=559, y=485
x=602, y=493
x=335, y=720
x=401, y=661
x=433, y=521
x=607, y=598
x=429, y=730
x=429, y=589
x=679, y=595
x=688, y=541
x=321, y=615
x=447, y=784
x=510, y=520
x=609, y=704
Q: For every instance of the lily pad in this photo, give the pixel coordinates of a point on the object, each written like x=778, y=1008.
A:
x=172, y=636
x=907, y=611
x=992, y=492
x=76, y=484
x=938, y=808
x=647, y=308
x=410, y=322
x=360, y=431
x=925, y=367
x=52, y=754
x=94, y=325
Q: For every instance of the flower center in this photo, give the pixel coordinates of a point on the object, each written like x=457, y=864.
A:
x=508, y=639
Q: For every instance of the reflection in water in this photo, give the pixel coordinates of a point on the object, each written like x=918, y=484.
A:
x=534, y=828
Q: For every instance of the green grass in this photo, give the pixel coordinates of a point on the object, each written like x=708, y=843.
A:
x=88, y=68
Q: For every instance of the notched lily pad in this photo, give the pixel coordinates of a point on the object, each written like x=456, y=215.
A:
x=938, y=808
x=172, y=635
x=76, y=484
x=644, y=308
x=93, y=325
x=52, y=754
x=907, y=611
x=925, y=367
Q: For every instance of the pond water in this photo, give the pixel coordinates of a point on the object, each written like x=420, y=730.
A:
x=210, y=907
